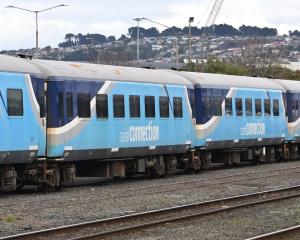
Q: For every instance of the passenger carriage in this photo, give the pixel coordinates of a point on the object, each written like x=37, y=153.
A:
x=62, y=119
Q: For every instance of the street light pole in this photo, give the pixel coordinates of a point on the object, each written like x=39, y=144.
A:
x=36, y=12
x=191, y=19
x=176, y=34
x=36, y=31
x=138, y=20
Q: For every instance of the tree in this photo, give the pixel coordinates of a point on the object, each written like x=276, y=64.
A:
x=111, y=39
x=172, y=31
x=123, y=38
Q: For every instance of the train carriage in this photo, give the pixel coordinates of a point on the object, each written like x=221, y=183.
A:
x=22, y=124
x=236, y=113
x=62, y=119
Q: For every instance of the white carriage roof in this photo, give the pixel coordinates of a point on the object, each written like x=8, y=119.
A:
x=88, y=71
x=18, y=65
x=227, y=81
x=106, y=72
x=289, y=85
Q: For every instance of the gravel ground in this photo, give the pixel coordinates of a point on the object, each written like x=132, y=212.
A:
x=237, y=224
x=14, y=221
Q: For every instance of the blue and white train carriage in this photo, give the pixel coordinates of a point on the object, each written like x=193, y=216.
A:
x=22, y=119
x=243, y=114
x=59, y=118
x=107, y=112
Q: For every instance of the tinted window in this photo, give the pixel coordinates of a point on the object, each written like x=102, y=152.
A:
x=70, y=105
x=119, y=107
x=149, y=106
x=276, y=107
x=177, y=103
x=15, y=102
x=102, y=105
x=207, y=106
x=83, y=104
x=164, y=107
x=60, y=105
x=239, y=106
x=248, y=104
x=228, y=106
x=135, y=110
x=258, y=107
x=217, y=105
x=267, y=106
x=42, y=102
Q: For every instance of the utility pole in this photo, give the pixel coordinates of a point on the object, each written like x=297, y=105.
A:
x=36, y=12
x=138, y=20
x=191, y=19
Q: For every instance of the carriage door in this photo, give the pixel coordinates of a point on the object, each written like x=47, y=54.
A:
x=39, y=87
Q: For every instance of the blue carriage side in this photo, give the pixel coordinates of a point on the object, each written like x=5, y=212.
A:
x=139, y=119
x=233, y=113
x=22, y=125
x=292, y=102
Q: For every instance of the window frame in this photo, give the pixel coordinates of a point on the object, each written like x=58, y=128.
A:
x=99, y=111
x=164, y=101
x=249, y=106
x=134, y=106
x=121, y=105
x=267, y=106
x=239, y=112
x=228, y=100
x=69, y=95
x=258, y=113
x=78, y=106
x=150, y=104
x=217, y=106
x=21, y=107
x=277, y=112
x=178, y=112
x=61, y=105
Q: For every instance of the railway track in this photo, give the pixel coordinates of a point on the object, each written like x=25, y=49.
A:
x=287, y=233
x=127, y=224
x=94, y=198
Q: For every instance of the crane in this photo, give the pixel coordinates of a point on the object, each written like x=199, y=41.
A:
x=214, y=13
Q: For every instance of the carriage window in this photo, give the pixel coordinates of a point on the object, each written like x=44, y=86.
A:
x=61, y=105
x=70, y=105
x=207, y=106
x=83, y=104
x=135, y=110
x=102, y=105
x=217, y=105
x=177, y=103
x=258, y=107
x=276, y=107
x=239, y=106
x=249, y=111
x=15, y=102
x=150, y=107
x=164, y=107
x=42, y=102
x=228, y=106
x=267, y=105
x=119, y=106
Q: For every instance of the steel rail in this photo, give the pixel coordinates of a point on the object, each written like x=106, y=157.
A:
x=135, y=222
x=280, y=234
x=176, y=187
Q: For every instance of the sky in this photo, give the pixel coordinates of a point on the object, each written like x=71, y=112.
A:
x=114, y=17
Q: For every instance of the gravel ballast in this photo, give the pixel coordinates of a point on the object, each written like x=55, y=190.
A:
x=18, y=219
